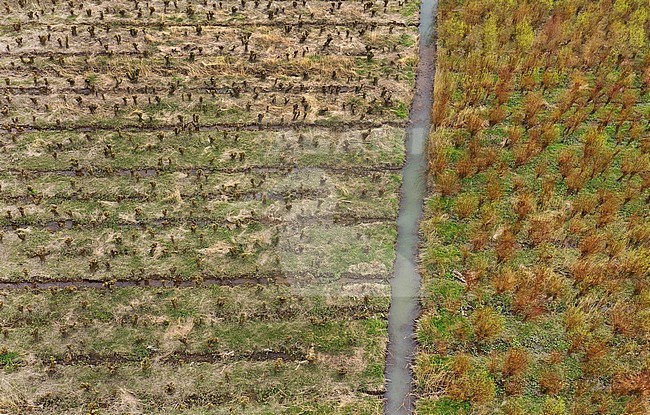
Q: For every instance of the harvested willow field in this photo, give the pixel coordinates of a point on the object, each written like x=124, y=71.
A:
x=536, y=257
x=199, y=203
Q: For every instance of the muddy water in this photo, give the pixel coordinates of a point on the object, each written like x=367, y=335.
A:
x=405, y=285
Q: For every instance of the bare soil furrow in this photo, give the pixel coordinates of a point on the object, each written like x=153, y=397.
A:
x=333, y=125
x=153, y=171
x=65, y=224
x=205, y=280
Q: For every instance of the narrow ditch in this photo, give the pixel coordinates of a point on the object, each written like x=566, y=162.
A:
x=405, y=284
x=287, y=168
x=298, y=23
x=294, y=279
x=175, y=359
x=327, y=219
x=335, y=126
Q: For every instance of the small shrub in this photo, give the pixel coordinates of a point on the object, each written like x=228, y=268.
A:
x=566, y=162
x=475, y=386
x=541, y=228
x=483, y=389
x=575, y=180
x=504, y=281
x=497, y=115
x=506, y=245
x=584, y=204
x=466, y=205
x=554, y=406
x=591, y=244
x=528, y=300
x=513, y=406
x=524, y=205
x=514, y=135
x=488, y=324
x=516, y=362
x=493, y=188
x=448, y=183
x=465, y=167
x=461, y=364
x=479, y=239
x=551, y=380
